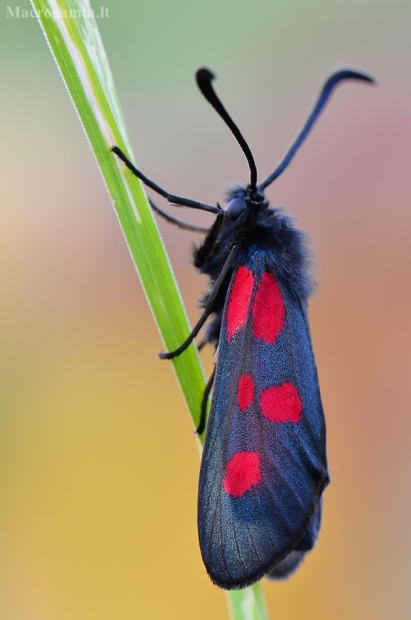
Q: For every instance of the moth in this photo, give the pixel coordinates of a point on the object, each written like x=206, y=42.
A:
x=264, y=465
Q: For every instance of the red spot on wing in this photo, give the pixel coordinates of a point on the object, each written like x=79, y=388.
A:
x=281, y=403
x=241, y=473
x=245, y=391
x=239, y=301
x=268, y=310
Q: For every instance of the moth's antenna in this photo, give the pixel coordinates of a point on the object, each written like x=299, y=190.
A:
x=333, y=80
x=204, y=78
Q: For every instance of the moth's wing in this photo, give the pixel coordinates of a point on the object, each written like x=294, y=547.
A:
x=292, y=561
x=264, y=463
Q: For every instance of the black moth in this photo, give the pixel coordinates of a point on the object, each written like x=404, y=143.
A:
x=264, y=464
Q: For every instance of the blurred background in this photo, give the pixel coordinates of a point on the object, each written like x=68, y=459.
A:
x=98, y=464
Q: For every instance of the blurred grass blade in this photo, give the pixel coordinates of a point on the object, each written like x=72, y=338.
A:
x=72, y=34
x=247, y=604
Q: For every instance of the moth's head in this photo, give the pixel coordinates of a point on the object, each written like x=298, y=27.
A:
x=242, y=197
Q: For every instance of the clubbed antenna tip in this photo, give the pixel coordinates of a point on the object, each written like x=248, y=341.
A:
x=204, y=77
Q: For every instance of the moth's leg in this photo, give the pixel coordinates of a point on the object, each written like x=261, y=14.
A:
x=179, y=201
x=205, y=250
x=175, y=221
x=202, y=344
x=208, y=308
x=203, y=410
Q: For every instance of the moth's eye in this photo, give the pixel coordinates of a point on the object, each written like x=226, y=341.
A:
x=235, y=207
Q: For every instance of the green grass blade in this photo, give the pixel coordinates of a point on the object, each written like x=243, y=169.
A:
x=74, y=40
x=247, y=604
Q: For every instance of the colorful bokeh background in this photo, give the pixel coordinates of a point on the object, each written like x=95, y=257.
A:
x=98, y=464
